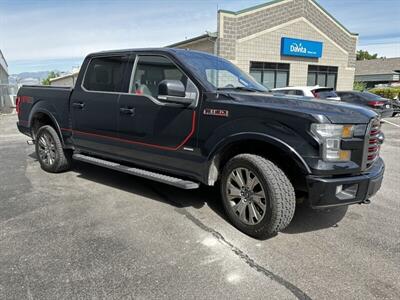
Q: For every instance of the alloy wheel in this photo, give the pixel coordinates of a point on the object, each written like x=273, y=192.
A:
x=47, y=149
x=246, y=196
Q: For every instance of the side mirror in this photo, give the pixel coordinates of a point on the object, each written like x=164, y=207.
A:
x=173, y=91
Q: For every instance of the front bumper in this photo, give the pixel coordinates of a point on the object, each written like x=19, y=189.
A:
x=326, y=192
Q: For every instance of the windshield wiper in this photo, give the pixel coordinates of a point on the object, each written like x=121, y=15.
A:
x=240, y=88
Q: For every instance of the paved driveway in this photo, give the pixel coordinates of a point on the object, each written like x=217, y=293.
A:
x=96, y=233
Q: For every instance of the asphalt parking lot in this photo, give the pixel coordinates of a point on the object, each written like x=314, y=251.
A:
x=96, y=233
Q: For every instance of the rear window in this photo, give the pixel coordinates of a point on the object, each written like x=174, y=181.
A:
x=324, y=93
x=105, y=74
x=291, y=92
x=370, y=96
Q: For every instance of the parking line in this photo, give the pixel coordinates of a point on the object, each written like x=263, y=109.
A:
x=391, y=123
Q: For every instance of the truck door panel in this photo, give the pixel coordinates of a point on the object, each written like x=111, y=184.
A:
x=154, y=130
x=94, y=105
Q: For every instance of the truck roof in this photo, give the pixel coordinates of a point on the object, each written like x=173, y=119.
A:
x=166, y=50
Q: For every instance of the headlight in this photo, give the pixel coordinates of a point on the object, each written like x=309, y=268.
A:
x=330, y=136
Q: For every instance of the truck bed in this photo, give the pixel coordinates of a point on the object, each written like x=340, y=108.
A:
x=36, y=99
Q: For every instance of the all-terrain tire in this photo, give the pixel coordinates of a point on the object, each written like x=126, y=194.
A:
x=60, y=159
x=280, y=196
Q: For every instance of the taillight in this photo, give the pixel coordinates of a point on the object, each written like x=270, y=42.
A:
x=375, y=103
x=315, y=94
x=17, y=104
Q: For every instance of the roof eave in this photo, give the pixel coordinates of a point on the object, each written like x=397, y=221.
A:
x=193, y=40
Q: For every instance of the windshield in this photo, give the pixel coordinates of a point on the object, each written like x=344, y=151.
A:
x=219, y=73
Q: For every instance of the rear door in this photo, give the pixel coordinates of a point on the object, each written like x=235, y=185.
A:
x=94, y=104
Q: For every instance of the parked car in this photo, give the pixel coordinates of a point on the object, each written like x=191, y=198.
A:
x=186, y=118
x=309, y=91
x=380, y=105
x=396, y=107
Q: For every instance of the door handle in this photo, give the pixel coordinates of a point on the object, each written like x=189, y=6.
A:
x=78, y=105
x=127, y=111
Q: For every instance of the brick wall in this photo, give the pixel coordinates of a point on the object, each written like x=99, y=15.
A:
x=256, y=35
x=233, y=27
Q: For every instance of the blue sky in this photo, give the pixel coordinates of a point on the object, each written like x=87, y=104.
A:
x=43, y=35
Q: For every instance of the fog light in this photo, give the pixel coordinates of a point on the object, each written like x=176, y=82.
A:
x=346, y=192
x=339, y=188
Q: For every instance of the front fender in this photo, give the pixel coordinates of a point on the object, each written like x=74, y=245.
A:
x=265, y=138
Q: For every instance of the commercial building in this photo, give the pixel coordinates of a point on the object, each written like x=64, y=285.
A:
x=65, y=80
x=381, y=71
x=284, y=43
x=5, y=99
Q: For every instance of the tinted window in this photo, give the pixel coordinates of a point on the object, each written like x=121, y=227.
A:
x=105, y=74
x=347, y=97
x=151, y=70
x=285, y=92
x=370, y=96
x=299, y=93
x=323, y=94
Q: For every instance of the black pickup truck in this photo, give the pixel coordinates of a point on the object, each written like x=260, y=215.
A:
x=187, y=118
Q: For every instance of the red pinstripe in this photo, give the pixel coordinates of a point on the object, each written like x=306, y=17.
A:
x=140, y=143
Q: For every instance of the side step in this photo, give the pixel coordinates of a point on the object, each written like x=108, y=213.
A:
x=180, y=183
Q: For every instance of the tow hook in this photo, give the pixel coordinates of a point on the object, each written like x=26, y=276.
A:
x=366, y=201
x=30, y=142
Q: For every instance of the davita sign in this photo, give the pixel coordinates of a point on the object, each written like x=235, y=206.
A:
x=304, y=48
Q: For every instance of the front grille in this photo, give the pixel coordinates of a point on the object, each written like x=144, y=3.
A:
x=372, y=143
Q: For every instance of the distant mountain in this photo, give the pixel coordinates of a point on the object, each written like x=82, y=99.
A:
x=28, y=77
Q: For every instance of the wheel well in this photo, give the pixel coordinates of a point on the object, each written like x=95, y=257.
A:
x=41, y=119
x=267, y=150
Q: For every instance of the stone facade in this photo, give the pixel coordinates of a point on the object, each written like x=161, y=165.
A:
x=265, y=47
x=255, y=35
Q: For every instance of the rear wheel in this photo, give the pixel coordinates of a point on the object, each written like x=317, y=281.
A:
x=50, y=153
x=257, y=196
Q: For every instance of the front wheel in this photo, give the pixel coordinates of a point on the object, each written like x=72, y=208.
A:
x=257, y=196
x=49, y=151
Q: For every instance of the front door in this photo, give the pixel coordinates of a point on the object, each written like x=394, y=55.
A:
x=94, y=105
x=154, y=131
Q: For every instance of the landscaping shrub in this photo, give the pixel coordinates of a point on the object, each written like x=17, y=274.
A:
x=389, y=92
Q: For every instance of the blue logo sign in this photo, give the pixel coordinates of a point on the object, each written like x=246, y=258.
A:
x=303, y=48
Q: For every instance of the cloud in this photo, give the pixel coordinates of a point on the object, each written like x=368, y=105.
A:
x=386, y=49
x=42, y=30
x=70, y=31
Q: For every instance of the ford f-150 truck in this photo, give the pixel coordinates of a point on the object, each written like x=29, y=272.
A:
x=187, y=118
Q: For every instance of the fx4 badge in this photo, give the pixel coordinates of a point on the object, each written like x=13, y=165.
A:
x=216, y=112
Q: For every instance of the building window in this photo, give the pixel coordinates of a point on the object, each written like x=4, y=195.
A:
x=322, y=75
x=271, y=75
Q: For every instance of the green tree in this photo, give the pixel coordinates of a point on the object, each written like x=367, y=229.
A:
x=359, y=86
x=365, y=55
x=52, y=74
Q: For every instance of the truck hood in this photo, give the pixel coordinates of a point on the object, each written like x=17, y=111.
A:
x=335, y=111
